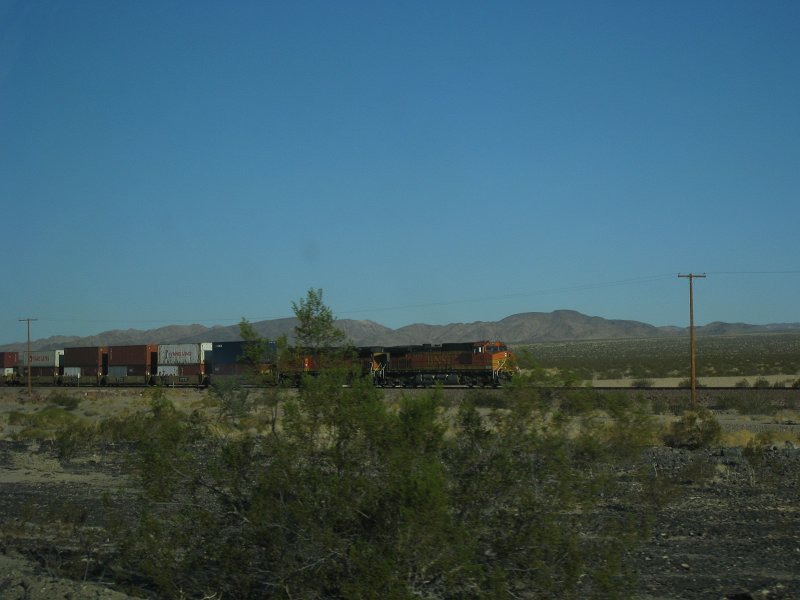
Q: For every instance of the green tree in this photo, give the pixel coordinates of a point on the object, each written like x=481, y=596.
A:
x=316, y=326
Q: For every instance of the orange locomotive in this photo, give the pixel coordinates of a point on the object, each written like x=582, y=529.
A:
x=486, y=363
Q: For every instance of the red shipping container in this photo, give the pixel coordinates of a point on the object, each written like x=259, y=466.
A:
x=8, y=359
x=138, y=356
x=190, y=370
x=84, y=357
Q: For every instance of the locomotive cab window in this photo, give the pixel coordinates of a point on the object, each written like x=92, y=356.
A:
x=496, y=349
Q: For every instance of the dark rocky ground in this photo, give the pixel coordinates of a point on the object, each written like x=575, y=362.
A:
x=53, y=519
x=731, y=531
x=731, y=528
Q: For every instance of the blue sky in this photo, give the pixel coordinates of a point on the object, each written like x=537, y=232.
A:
x=198, y=162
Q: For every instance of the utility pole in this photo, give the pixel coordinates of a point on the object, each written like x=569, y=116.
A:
x=691, y=277
x=30, y=391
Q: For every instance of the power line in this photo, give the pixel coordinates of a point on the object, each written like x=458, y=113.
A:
x=529, y=294
x=543, y=292
x=452, y=302
x=754, y=272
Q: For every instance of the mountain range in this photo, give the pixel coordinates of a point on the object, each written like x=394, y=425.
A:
x=523, y=328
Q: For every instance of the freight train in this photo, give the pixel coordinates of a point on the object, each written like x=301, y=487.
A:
x=484, y=363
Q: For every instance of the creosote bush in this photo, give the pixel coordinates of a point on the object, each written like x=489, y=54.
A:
x=64, y=400
x=351, y=498
x=642, y=383
x=695, y=429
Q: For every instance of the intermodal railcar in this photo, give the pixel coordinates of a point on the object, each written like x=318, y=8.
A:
x=483, y=363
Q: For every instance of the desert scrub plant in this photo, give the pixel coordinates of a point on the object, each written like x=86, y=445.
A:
x=687, y=383
x=44, y=424
x=750, y=404
x=737, y=439
x=660, y=405
x=64, y=400
x=486, y=399
x=233, y=400
x=768, y=440
x=70, y=440
x=366, y=497
x=694, y=430
x=642, y=383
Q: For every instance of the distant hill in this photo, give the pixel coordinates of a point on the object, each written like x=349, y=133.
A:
x=523, y=328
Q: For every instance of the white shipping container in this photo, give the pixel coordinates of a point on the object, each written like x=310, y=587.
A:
x=182, y=354
x=41, y=358
x=72, y=371
x=167, y=370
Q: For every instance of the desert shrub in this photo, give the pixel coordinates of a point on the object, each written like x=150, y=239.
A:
x=659, y=405
x=351, y=496
x=69, y=441
x=64, y=400
x=694, y=430
x=742, y=383
x=749, y=404
x=642, y=383
x=739, y=438
x=761, y=382
x=43, y=424
x=16, y=418
x=687, y=383
x=580, y=401
x=631, y=429
x=788, y=416
x=34, y=433
x=234, y=399
x=764, y=440
x=485, y=399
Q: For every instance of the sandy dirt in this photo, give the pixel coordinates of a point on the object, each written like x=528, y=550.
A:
x=713, y=382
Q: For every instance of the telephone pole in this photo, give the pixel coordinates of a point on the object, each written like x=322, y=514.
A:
x=691, y=277
x=30, y=391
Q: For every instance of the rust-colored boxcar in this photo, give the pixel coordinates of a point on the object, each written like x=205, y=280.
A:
x=92, y=362
x=8, y=367
x=8, y=360
x=132, y=364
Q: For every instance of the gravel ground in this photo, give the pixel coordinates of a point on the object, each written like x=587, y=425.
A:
x=731, y=531
x=735, y=535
